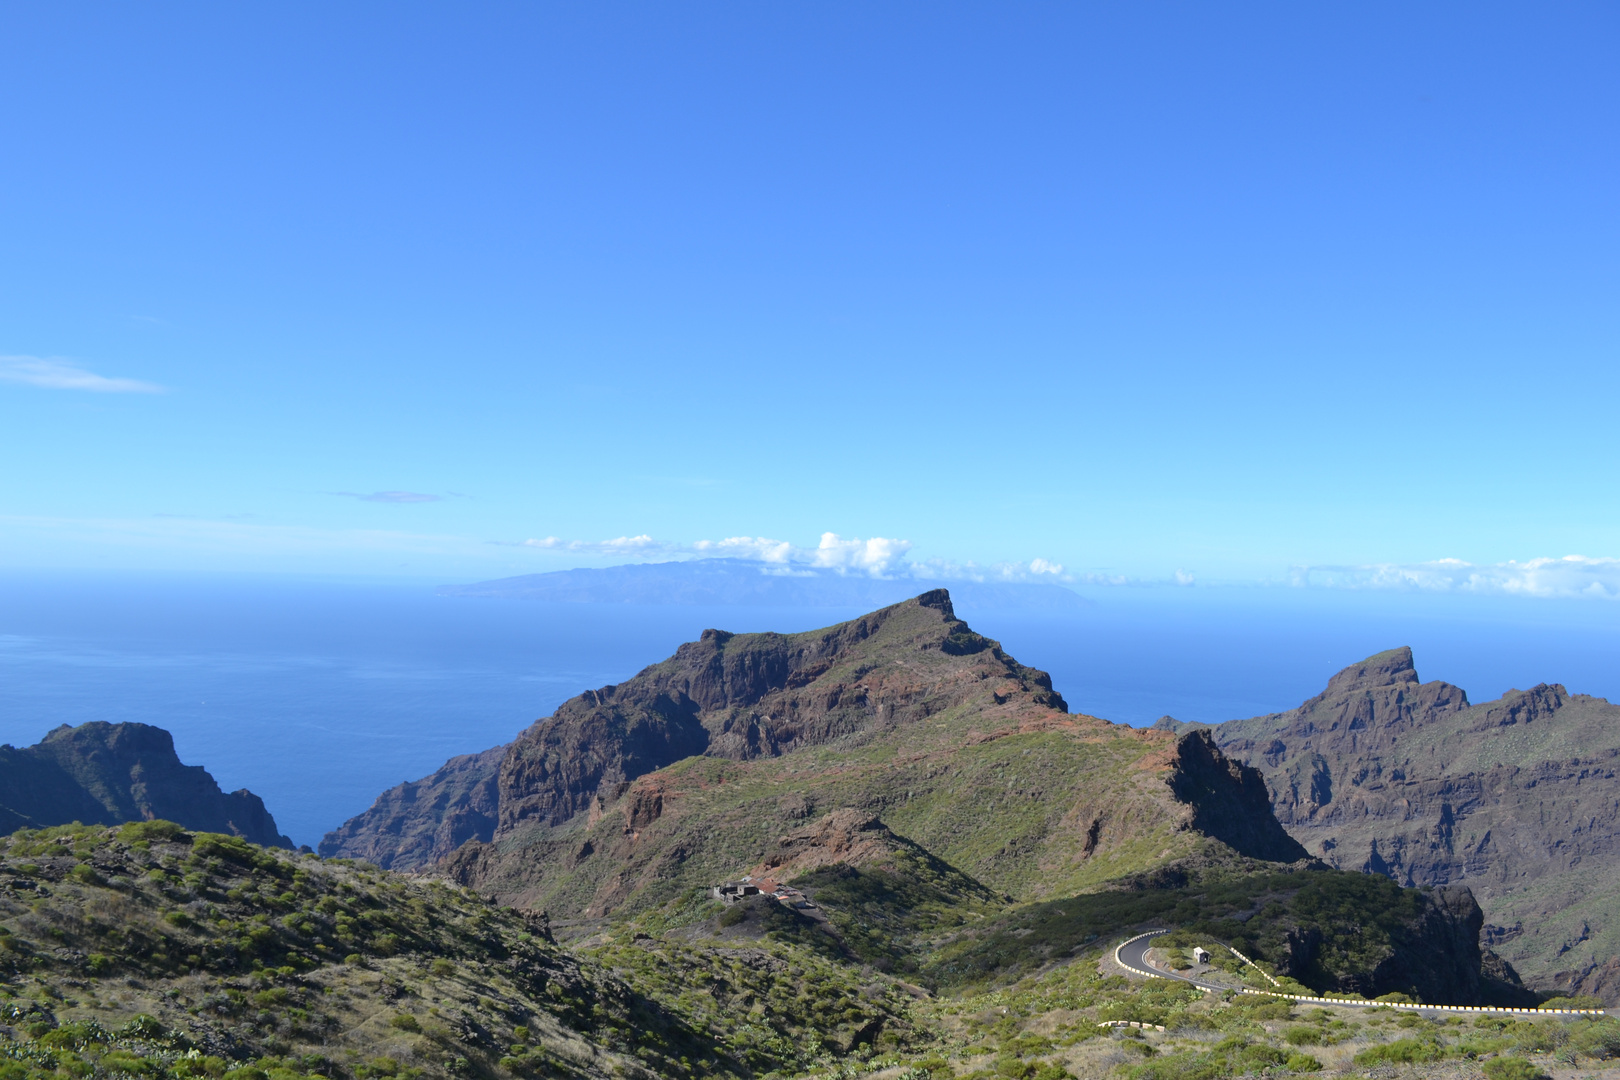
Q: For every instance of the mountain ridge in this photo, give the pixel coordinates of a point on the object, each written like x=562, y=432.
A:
x=615, y=791
x=1519, y=798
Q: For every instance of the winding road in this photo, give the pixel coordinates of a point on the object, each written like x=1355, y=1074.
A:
x=1131, y=955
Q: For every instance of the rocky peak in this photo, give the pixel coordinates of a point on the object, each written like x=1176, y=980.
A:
x=745, y=696
x=1391, y=668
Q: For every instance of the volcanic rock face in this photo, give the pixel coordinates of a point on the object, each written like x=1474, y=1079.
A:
x=1229, y=801
x=107, y=774
x=729, y=696
x=1518, y=798
x=842, y=838
x=421, y=821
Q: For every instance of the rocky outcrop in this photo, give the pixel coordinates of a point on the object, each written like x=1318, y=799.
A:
x=847, y=837
x=1229, y=800
x=422, y=821
x=1517, y=798
x=107, y=774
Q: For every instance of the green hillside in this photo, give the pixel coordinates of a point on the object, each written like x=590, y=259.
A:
x=147, y=951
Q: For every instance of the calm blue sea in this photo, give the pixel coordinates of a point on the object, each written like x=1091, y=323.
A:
x=318, y=695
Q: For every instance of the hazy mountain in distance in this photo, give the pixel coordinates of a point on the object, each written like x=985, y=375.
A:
x=723, y=582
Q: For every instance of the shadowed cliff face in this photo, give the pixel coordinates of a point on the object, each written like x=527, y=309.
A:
x=1518, y=798
x=1229, y=801
x=106, y=774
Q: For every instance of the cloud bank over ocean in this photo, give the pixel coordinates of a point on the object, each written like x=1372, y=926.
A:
x=1570, y=576
x=878, y=557
x=883, y=557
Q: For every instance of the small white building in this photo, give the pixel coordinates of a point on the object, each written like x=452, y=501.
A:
x=1200, y=955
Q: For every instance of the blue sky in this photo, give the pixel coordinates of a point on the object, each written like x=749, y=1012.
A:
x=1224, y=290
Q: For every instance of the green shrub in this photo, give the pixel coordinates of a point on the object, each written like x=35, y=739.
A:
x=85, y=874
x=143, y=1026
x=1303, y=1036
x=733, y=915
x=1512, y=1068
x=220, y=846
x=1406, y=1051
x=1302, y=1063
x=274, y=997
x=442, y=968
x=152, y=831
x=74, y=1036
x=1596, y=1038
x=405, y=1022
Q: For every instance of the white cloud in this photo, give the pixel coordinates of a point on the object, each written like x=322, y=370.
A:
x=1572, y=575
x=1036, y=570
x=51, y=374
x=624, y=545
x=877, y=556
x=748, y=547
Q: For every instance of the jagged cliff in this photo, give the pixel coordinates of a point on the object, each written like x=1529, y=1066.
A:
x=107, y=774
x=1517, y=798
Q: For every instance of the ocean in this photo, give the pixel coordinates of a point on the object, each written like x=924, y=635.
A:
x=318, y=695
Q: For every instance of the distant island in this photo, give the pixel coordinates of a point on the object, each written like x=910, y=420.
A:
x=726, y=582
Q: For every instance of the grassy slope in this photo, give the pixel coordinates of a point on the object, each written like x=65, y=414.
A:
x=246, y=958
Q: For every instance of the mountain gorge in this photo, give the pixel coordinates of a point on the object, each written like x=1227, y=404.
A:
x=1518, y=798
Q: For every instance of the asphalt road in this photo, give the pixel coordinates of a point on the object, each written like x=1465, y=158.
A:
x=1133, y=955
